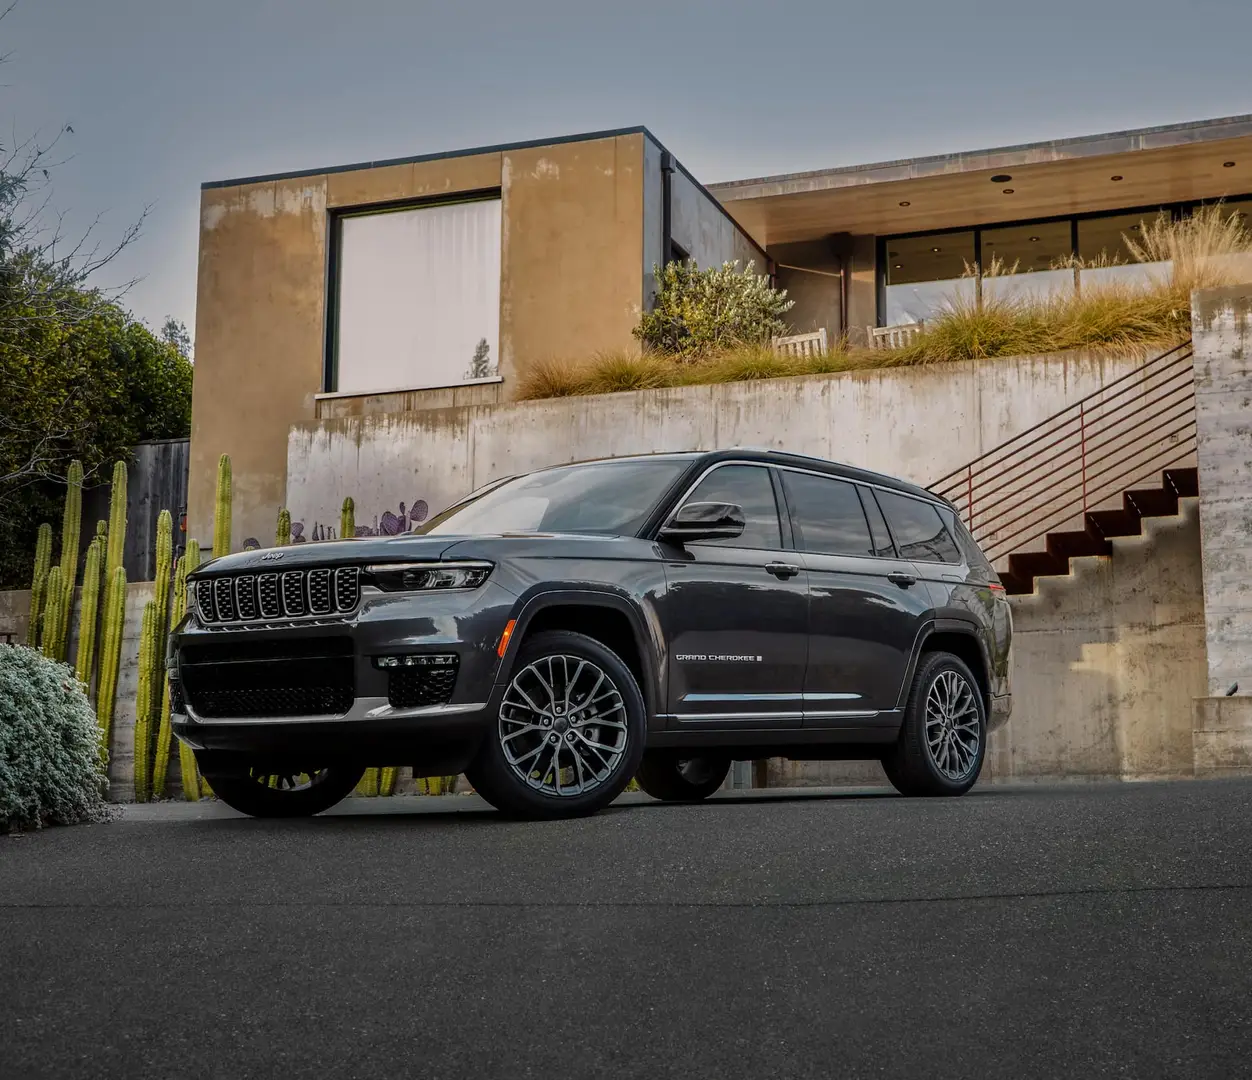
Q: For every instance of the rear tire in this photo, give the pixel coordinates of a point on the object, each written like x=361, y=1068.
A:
x=569, y=733
x=671, y=777
x=293, y=794
x=943, y=740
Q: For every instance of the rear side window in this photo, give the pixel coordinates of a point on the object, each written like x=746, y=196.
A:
x=973, y=553
x=918, y=529
x=877, y=526
x=826, y=515
x=748, y=486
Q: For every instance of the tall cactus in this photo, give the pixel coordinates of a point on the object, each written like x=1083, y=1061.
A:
x=221, y=515
x=164, y=566
x=90, y=610
x=143, y=703
x=117, y=532
x=347, y=519
x=192, y=785
x=161, y=684
x=369, y=783
x=50, y=637
x=282, y=534
x=110, y=652
x=38, y=582
x=71, y=534
x=387, y=780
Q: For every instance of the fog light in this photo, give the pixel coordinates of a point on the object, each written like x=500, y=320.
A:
x=416, y=660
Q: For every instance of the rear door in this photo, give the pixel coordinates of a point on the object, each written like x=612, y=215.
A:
x=735, y=612
x=866, y=606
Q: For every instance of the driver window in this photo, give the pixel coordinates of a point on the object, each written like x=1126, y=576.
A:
x=748, y=486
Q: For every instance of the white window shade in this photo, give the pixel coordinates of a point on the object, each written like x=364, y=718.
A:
x=419, y=298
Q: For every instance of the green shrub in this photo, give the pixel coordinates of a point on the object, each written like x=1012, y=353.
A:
x=698, y=312
x=50, y=761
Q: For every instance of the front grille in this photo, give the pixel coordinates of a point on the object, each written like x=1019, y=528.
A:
x=177, y=705
x=413, y=687
x=217, y=685
x=276, y=701
x=293, y=594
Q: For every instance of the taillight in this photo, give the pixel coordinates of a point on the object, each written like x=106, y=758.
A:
x=995, y=586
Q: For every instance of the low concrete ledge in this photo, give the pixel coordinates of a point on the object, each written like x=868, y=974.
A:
x=1222, y=737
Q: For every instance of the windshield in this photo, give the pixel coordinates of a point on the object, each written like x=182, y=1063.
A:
x=612, y=497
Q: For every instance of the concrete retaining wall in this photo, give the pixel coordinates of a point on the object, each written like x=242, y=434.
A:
x=917, y=423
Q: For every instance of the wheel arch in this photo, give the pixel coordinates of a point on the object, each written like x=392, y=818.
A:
x=608, y=617
x=963, y=640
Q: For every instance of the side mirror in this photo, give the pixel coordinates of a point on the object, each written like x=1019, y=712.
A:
x=704, y=521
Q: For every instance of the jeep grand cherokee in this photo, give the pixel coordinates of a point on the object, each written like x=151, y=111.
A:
x=557, y=633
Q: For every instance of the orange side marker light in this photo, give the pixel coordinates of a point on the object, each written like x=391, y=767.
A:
x=503, y=647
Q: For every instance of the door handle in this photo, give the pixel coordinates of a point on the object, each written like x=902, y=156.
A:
x=903, y=580
x=782, y=570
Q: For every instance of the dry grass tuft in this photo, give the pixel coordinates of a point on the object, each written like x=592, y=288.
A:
x=552, y=378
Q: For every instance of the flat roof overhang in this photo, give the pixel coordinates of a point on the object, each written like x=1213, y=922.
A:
x=1176, y=163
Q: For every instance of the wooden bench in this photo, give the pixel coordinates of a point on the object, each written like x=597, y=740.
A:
x=800, y=345
x=892, y=337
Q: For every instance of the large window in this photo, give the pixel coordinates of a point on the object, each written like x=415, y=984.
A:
x=919, y=531
x=827, y=515
x=924, y=274
x=417, y=298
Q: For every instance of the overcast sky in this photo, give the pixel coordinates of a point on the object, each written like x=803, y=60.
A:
x=164, y=94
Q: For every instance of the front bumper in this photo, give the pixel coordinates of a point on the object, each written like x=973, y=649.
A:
x=359, y=718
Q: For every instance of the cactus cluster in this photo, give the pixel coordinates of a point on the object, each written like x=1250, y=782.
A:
x=151, y=714
x=143, y=704
x=52, y=613
x=221, y=515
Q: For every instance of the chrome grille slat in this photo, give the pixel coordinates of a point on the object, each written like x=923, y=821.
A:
x=315, y=594
x=320, y=602
x=245, y=597
x=293, y=593
x=267, y=596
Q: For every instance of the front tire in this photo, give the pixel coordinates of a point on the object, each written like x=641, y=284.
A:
x=943, y=739
x=266, y=794
x=671, y=777
x=569, y=733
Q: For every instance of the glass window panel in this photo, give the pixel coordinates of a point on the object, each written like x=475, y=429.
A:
x=877, y=526
x=1022, y=249
x=929, y=258
x=1104, y=237
x=918, y=529
x=925, y=299
x=748, y=486
x=827, y=515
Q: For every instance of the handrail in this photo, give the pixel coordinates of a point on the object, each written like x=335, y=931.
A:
x=1080, y=457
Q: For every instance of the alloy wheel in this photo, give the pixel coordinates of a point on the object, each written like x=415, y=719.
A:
x=563, y=726
x=953, y=725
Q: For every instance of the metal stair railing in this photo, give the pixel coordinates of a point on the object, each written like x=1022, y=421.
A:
x=1131, y=429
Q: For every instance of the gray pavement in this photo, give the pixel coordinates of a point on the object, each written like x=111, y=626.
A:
x=1018, y=932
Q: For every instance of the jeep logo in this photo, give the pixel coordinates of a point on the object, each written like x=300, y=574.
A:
x=271, y=556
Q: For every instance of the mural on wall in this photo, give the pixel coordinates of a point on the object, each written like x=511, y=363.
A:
x=388, y=524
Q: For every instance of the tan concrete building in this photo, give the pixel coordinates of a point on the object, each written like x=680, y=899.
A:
x=405, y=285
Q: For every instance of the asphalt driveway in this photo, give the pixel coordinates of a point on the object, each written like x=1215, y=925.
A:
x=1018, y=932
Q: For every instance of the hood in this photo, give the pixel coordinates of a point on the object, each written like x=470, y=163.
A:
x=367, y=549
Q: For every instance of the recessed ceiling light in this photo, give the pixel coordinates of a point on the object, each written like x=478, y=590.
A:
x=1135, y=228
x=934, y=249
x=899, y=266
x=1034, y=239
x=1008, y=191
x=1001, y=178
x=1228, y=164
x=1114, y=177
x=905, y=203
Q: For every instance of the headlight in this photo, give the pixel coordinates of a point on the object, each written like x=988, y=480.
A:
x=428, y=577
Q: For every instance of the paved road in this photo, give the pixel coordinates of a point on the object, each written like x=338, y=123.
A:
x=1025, y=932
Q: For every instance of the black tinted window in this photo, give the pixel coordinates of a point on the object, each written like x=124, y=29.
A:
x=919, y=530
x=877, y=526
x=748, y=486
x=973, y=554
x=827, y=515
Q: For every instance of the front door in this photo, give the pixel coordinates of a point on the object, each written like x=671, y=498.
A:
x=866, y=604
x=735, y=613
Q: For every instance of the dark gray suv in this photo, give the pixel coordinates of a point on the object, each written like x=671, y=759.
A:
x=554, y=634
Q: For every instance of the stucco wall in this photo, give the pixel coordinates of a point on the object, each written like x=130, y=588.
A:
x=571, y=284
x=918, y=423
x=703, y=229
